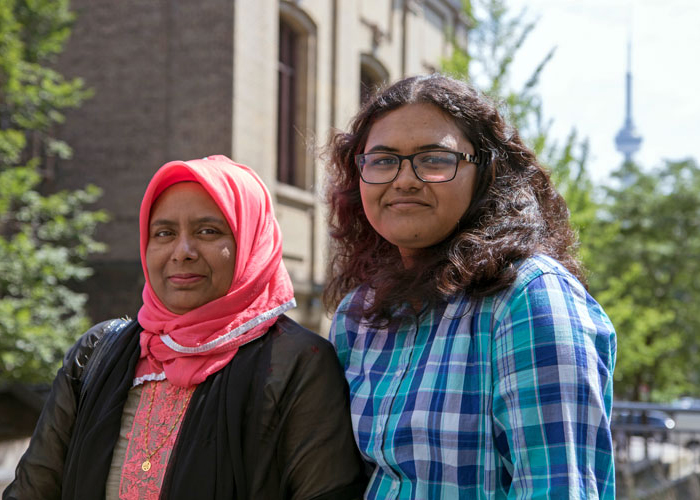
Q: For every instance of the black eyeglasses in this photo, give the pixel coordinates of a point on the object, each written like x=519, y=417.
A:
x=429, y=166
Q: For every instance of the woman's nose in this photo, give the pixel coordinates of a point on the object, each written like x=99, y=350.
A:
x=407, y=178
x=185, y=248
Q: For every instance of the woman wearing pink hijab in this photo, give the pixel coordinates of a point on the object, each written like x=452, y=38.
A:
x=212, y=392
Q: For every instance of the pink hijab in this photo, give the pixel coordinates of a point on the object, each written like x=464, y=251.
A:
x=187, y=348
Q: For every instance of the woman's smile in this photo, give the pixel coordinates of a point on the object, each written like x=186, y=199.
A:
x=407, y=204
x=186, y=278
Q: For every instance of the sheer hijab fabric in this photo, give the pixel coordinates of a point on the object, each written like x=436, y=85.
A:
x=187, y=348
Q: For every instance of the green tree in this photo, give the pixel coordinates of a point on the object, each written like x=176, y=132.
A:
x=494, y=41
x=44, y=237
x=647, y=276
x=639, y=238
x=496, y=36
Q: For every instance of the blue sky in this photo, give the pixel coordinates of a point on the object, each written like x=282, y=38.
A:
x=583, y=86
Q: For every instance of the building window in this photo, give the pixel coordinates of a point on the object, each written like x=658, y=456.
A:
x=296, y=97
x=368, y=84
x=372, y=76
x=286, y=136
x=435, y=37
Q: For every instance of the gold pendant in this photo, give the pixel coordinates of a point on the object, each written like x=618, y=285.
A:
x=146, y=465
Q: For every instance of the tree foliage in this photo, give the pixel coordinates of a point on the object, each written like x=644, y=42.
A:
x=646, y=273
x=494, y=41
x=639, y=238
x=44, y=237
x=496, y=36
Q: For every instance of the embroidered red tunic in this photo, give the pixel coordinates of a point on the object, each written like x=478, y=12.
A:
x=143, y=436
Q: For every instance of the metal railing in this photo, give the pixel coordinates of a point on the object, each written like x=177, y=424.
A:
x=657, y=449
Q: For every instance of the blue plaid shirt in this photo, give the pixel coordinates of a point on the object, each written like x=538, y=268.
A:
x=503, y=397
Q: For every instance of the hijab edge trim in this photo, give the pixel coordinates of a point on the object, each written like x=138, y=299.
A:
x=233, y=334
x=151, y=377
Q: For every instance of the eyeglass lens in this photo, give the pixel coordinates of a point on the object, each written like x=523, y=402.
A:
x=430, y=166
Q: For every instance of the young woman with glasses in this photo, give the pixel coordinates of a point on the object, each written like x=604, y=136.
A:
x=478, y=365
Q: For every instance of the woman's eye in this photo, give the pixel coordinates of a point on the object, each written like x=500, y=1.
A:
x=386, y=161
x=162, y=233
x=436, y=160
x=382, y=161
x=208, y=231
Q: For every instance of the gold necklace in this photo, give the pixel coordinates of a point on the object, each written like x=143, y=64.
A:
x=146, y=465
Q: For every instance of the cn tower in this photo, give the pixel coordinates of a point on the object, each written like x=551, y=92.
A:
x=628, y=141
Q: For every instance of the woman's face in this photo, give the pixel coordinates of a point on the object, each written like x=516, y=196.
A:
x=408, y=212
x=191, y=253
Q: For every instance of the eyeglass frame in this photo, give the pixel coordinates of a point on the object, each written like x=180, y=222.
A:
x=469, y=158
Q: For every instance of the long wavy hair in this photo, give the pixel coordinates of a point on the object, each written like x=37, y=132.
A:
x=515, y=211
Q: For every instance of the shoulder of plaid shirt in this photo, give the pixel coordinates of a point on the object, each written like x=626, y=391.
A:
x=540, y=362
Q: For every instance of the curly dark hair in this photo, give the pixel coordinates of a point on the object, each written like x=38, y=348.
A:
x=515, y=211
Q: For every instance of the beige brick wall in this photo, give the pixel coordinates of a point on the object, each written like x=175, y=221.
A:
x=185, y=79
x=162, y=73
x=254, y=86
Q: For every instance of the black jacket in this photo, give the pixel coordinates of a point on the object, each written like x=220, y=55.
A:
x=273, y=424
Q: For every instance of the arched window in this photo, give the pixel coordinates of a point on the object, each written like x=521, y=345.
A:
x=296, y=97
x=373, y=74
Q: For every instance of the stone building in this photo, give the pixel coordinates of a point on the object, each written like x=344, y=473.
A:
x=261, y=81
